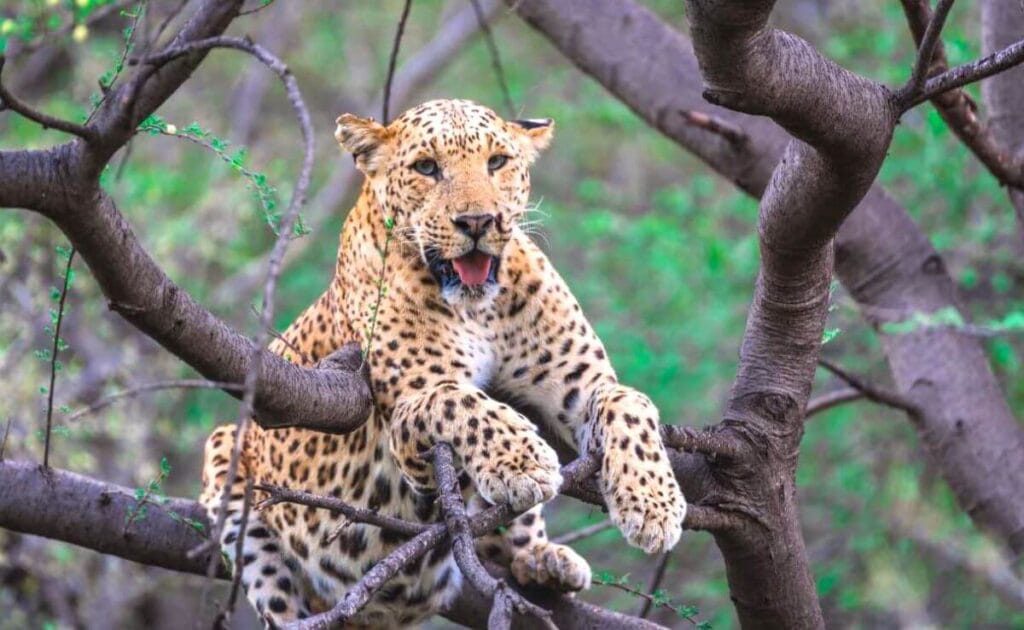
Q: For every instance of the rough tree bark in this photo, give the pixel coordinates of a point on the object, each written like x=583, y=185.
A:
x=882, y=257
x=1002, y=23
x=841, y=124
x=62, y=184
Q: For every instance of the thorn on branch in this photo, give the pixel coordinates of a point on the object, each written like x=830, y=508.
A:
x=873, y=392
x=11, y=102
x=732, y=133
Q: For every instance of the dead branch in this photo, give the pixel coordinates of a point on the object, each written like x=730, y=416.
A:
x=708, y=442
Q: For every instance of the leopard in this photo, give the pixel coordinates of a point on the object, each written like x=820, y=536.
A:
x=463, y=322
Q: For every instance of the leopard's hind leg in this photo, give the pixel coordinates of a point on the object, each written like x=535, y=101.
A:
x=269, y=576
x=525, y=547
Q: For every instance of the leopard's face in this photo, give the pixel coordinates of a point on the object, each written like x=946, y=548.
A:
x=454, y=178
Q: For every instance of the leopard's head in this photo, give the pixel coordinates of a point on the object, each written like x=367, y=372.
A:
x=454, y=178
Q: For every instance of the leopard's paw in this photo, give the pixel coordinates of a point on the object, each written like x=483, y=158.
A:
x=552, y=565
x=523, y=475
x=646, y=506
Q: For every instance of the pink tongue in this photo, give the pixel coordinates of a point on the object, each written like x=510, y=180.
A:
x=473, y=268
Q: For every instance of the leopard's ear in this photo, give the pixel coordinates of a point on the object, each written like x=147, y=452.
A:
x=538, y=133
x=365, y=139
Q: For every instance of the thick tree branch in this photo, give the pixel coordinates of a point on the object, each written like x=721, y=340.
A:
x=36, y=502
x=882, y=257
x=1002, y=24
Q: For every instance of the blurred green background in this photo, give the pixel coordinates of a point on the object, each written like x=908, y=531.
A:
x=661, y=252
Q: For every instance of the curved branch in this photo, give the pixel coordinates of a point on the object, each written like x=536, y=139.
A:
x=11, y=102
x=827, y=401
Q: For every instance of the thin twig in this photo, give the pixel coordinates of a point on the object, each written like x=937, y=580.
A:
x=393, y=61
x=262, y=5
x=959, y=110
x=53, y=355
x=106, y=401
x=871, y=391
x=278, y=494
x=583, y=532
x=224, y=615
x=679, y=610
x=139, y=9
x=732, y=133
x=926, y=51
x=832, y=399
x=652, y=587
x=280, y=244
x=492, y=47
x=960, y=76
x=11, y=102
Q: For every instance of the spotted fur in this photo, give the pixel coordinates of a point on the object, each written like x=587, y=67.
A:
x=441, y=356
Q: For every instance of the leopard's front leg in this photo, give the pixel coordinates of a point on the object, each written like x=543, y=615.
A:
x=500, y=449
x=637, y=481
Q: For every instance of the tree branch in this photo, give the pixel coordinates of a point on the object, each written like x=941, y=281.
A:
x=505, y=600
x=970, y=73
x=873, y=392
x=958, y=109
x=832, y=399
x=11, y=102
x=930, y=42
x=37, y=503
x=882, y=257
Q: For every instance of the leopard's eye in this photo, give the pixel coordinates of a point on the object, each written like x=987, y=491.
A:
x=496, y=161
x=426, y=167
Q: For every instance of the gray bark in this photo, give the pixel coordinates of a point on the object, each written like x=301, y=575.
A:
x=882, y=257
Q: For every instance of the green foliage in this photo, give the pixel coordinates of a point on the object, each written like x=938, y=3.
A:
x=659, y=598
x=382, y=289
x=152, y=494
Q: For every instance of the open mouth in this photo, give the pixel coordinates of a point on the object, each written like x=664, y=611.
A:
x=474, y=269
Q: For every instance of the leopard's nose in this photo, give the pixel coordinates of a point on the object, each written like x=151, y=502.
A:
x=473, y=225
